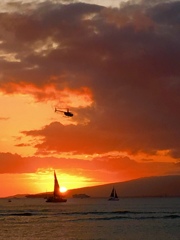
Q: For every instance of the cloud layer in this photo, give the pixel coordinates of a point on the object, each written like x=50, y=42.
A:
x=98, y=169
x=123, y=63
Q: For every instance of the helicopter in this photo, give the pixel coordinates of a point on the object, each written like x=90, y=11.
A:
x=66, y=113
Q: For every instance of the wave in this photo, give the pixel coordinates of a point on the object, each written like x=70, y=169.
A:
x=124, y=218
x=16, y=214
x=172, y=216
x=95, y=215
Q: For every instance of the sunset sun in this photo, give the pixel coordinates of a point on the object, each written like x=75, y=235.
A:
x=89, y=119
x=96, y=101
x=63, y=189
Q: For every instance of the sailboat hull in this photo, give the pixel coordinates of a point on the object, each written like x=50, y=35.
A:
x=56, y=200
x=113, y=199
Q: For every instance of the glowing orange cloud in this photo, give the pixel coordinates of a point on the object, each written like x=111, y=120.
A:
x=114, y=68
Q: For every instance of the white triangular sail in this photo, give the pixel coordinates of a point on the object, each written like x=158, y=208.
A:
x=56, y=186
x=113, y=195
x=57, y=197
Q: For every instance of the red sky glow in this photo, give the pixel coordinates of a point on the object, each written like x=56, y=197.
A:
x=115, y=66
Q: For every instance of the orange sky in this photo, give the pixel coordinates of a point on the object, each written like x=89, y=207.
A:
x=114, y=66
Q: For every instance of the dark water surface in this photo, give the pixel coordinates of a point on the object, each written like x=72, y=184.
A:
x=91, y=219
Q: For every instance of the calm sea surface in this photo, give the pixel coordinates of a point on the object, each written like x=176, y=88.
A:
x=91, y=219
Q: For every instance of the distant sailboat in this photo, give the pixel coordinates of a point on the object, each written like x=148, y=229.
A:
x=113, y=196
x=56, y=194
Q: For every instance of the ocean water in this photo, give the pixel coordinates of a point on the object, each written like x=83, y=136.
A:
x=91, y=219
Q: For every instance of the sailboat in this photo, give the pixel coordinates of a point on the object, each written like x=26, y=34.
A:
x=56, y=194
x=113, y=196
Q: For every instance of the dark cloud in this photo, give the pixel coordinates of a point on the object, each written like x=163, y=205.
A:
x=12, y=163
x=81, y=139
x=166, y=13
x=175, y=153
x=4, y=118
x=128, y=57
x=99, y=169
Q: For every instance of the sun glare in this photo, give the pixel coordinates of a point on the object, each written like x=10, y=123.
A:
x=63, y=189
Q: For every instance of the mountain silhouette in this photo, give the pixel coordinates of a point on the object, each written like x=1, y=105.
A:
x=161, y=186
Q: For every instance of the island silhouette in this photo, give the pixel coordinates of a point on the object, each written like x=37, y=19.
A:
x=160, y=186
